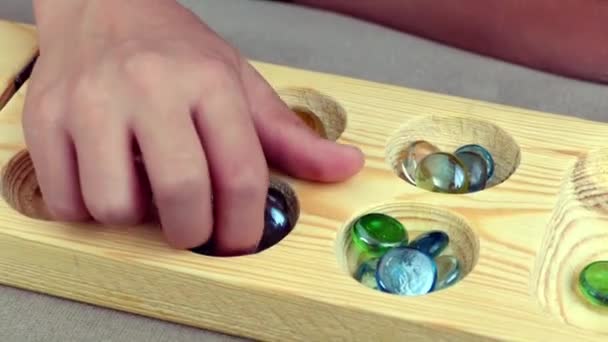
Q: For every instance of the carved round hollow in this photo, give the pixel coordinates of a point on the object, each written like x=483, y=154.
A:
x=293, y=207
x=451, y=132
x=576, y=234
x=20, y=187
x=417, y=219
x=320, y=112
x=590, y=179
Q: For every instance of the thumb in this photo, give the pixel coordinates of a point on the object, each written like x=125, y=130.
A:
x=289, y=144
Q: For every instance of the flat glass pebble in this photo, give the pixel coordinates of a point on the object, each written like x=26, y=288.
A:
x=431, y=243
x=477, y=169
x=406, y=271
x=414, y=153
x=593, y=282
x=375, y=233
x=448, y=271
x=485, y=154
x=366, y=273
x=442, y=172
x=276, y=219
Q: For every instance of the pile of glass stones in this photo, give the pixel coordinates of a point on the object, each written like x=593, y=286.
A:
x=593, y=282
x=389, y=262
x=468, y=169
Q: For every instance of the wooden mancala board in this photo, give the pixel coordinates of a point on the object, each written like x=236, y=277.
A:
x=522, y=241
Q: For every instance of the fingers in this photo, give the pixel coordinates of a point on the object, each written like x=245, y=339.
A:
x=110, y=185
x=56, y=167
x=177, y=170
x=237, y=166
x=289, y=144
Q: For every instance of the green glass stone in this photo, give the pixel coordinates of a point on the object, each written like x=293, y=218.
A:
x=366, y=273
x=485, y=154
x=413, y=155
x=376, y=233
x=448, y=271
x=442, y=172
x=593, y=282
x=477, y=169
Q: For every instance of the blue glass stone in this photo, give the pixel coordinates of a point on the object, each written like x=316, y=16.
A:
x=406, y=271
x=431, y=243
x=476, y=169
x=276, y=219
x=485, y=154
x=448, y=271
x=366, y=273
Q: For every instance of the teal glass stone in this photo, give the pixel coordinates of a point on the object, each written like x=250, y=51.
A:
x=406, y=271
x=442, y=172
x=593, y=282
x=366, y=273
x=448, y=271
x=485, y=154
x=431, y=243
x=376, y=233
x=413, y=155
x=476, y=168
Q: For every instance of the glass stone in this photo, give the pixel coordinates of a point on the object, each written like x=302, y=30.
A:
x=476, y=167
x=366, y=273
x=375, y=233
x=448, y=271
x=414, y=153
x=593, y=282
x=276, y=219
x=431, y=243
x=406, y=271
x=485, y=154
x=442, y=172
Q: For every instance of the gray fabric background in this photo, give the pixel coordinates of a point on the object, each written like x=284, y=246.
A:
x=305, y=38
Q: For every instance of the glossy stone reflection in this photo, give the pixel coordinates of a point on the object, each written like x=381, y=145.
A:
x=477, y=169
x=413, y=155
x=406, y=271
x=485, y=154
x=431, y=243
x=442, y=172
x=593, y=282
x=448, y=271
x=276, y=219
x=375, y=233
x=366, y=273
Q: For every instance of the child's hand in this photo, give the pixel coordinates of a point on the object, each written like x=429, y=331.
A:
x=118, y=77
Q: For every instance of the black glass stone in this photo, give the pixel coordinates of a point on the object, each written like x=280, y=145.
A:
x=277, y=223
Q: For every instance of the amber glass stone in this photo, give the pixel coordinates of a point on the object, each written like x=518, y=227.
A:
x=413, y=155
x=442, y=172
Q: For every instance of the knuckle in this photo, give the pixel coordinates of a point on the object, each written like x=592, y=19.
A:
x=245, y=182
x=85, y=90
x=187, y=186
x=42, y=111
x=216, y=72
x=146, y=69
x=63, y=211
x=114, y=211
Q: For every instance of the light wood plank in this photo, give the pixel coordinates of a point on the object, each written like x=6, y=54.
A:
x=524, y=239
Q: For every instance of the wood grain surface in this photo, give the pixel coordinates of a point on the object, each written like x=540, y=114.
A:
x=523, y=240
